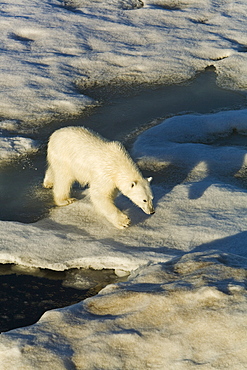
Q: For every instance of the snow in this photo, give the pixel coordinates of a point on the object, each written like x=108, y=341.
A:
x=53, y=50
x=16, y=146
x=184, y=304
x=184, y=314
x=75, y=236
x=185, y=301
x=183, y=141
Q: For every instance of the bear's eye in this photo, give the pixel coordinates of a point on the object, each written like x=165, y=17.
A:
x=145, y=200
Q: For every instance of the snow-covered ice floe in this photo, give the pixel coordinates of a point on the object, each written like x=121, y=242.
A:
x=184, y=305
x=76, y=236
x=187, y=141
x=53, y=50
x=183, y=314
x=16, y=146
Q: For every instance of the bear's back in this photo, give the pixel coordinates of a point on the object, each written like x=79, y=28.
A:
x=75, y=137
x=89, y=157
x=75, y=141
x=83, y=150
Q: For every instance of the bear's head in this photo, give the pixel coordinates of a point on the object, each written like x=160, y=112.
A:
x=140, y=193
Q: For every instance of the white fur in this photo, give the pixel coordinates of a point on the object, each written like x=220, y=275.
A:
x=77, y=154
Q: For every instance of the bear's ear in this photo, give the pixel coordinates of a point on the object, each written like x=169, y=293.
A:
x=133, y=184
x=149, y=179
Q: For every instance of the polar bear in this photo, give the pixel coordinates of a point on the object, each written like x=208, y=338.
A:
x=78, y=154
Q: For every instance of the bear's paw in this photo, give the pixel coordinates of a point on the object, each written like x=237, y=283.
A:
x=123, y=221
x=65, y=202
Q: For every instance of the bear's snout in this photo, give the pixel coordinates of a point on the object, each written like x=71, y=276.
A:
x=149, y=210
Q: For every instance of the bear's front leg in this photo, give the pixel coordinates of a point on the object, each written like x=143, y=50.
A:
x=122, y=221
x=104, y=205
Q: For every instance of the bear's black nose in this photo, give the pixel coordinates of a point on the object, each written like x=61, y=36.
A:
x=152, y=212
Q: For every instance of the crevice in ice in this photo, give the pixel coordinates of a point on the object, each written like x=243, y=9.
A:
x=74, y=5
x=166, y=5
x=236, y=45
x=193, y=362
x=20, y=38
x=242, y=48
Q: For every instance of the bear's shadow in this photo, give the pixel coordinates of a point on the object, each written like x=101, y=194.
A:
x=135, y=213
x=122, y=202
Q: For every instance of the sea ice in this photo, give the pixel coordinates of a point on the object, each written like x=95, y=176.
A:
x=184, y=314
x=12, y=147
x=184, y=305
x=186, y=295
x=54, y=50
x=187, y=140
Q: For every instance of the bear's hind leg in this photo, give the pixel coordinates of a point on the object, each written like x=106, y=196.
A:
x=61, y=188
x=105, y=206
x=48, y=180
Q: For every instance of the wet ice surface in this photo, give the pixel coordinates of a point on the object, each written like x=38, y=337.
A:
x=120, y=117
x=184, y=305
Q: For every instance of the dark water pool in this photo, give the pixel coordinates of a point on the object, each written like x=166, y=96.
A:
x=24, y=297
